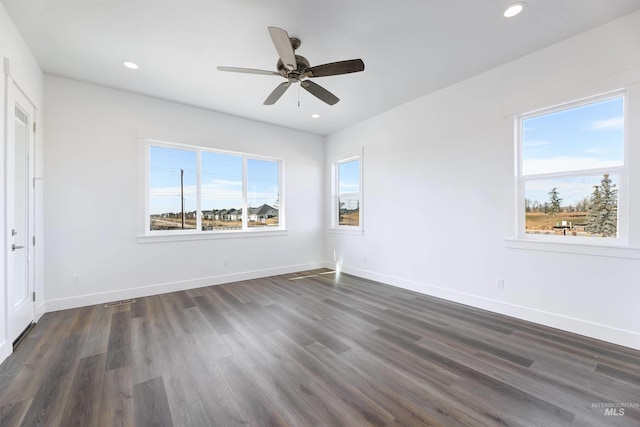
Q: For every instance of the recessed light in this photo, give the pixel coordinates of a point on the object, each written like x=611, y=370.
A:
x=315, y=116
x=130, y=65
x=514, y=10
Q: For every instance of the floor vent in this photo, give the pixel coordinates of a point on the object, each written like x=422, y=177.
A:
x=119, y=303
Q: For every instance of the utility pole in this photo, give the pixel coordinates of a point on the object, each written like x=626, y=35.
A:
x=182, y=194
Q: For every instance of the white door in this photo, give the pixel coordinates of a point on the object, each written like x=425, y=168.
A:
x=19, y=208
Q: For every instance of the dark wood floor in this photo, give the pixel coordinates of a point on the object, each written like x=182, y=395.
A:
x=311, y=349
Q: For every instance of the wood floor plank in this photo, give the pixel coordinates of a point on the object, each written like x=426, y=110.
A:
x=82, y=408
x=97, y=333
x=145, y=351
x=179, y=387
x=252, y=400
x=370, y=412
x=213, y=315
x=371, y=380
x=119, y=350
x=151, y=404
x=45, y=408
x=313, y=348
x=116, y=399
x=633, y=378
x=12, y=414
x=372, y=320
x=138, y=308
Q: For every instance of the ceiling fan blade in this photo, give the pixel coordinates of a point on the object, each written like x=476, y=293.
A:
x=283, y=46
x=248, y=71
x=277, y=93
x=335, y=68
x=319, y=92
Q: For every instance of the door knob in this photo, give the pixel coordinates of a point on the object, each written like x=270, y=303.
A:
x=14, y=247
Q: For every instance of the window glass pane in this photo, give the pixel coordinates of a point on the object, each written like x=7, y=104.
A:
x=349, y=211
x=586, y=137
x=263, y=197
x=221, y=191
x=172, y=172
x=572, y=206
x=349, y=177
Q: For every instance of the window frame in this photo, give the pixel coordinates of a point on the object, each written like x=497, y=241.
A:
x=198, y=233
x=335, y=163
x=622, y=238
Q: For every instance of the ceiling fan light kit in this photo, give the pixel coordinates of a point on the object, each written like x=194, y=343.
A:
x=297, y=69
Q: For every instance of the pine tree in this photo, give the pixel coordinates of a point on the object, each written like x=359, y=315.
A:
x=593, y=223
x=609, y=207
x=603, y=209
x=555, y=200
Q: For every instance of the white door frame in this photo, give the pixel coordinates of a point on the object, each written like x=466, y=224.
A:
x=14, y=94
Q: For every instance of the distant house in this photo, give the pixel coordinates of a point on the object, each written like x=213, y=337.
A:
x=262, y=213
x=234, y=215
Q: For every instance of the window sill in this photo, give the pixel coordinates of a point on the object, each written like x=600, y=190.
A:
x=592, y=249
x=185, y=236
x=347, y=231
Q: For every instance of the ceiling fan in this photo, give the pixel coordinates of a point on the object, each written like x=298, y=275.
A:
x=296, y=69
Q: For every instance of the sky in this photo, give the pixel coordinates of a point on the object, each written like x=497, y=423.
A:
x=349, y=182
x=586, y=137
x=221, y=185
x=349, y=177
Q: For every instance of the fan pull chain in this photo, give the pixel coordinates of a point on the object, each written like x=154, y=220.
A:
x=299, y=94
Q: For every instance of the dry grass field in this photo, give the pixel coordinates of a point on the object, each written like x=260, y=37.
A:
x=176, y=224
x=352, y=218
x=543, y=221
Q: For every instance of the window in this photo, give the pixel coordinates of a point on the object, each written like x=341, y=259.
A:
x=199, y=190
x=347, y=195
x=571, y=169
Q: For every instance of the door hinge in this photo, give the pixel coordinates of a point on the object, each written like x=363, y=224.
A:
x=33, y=296
x=34, y=127
x=34, y=240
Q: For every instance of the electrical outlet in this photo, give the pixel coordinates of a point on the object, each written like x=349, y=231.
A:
x=364, y=259
x=500, y=283
x=75, y=279
x=227, y=262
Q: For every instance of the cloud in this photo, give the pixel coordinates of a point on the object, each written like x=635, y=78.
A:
x=223, y=182
x=535, y=143
x=600, y=149
x=610, y=124
x=349, y=187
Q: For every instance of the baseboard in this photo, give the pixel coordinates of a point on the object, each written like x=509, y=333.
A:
x=40, y=310
x=5, y=351
x=161, y=288
x=587, y=328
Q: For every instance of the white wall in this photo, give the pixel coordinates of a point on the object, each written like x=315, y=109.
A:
x=440, y=201
x=27, y=74
x=92, y=197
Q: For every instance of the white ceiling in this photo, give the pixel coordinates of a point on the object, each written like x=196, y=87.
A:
x=410, y=47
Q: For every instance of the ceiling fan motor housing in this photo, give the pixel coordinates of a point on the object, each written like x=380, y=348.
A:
x=303, y=64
